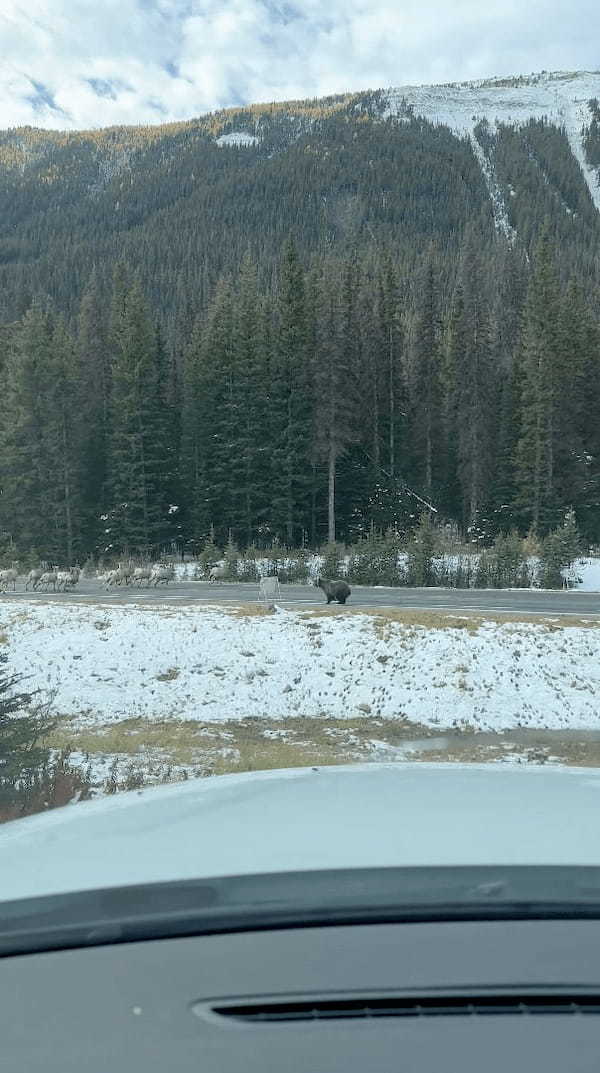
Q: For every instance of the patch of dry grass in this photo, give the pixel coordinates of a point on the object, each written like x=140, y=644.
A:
x=256, y=744
x=451, y=620
x=238, y=745
x=257, y=610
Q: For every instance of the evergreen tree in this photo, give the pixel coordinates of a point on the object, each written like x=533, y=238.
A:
x=334, y=403
x=93, y=406
x=425, y=384
x=64, y=441
x=291, y=416
x=26, y=476
x=472, y=385
x=578, y=451
x=251, y=406
x=137, y=451
x=540, y=425
x=210, y=419
x=21, y=753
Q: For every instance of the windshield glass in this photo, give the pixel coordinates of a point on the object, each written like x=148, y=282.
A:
x=299, y=439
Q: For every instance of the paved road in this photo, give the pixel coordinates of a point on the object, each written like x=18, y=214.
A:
x=518, y=601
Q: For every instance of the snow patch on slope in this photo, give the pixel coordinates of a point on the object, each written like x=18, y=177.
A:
x=501, y=219
x=560, y=97
x=237, y=138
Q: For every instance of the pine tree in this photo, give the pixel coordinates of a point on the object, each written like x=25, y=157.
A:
x=64, y=437
x=471, y=384
x=26, y=478
x=137, y=451
x=21, y=753
x=250, y=357
x=93, y=406
x=540, y=402
x=425, y=384
x=334, y=411
x=578, y=447
x=291, y=417
x=209, y=426
x=392, y=336
x=191, y=462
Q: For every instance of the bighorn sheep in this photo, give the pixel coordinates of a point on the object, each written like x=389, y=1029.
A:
x=34, y=577
x=335, y=590
x=67, y=579
x=119, y=575
x=162, y=574
x=217, y=572
x=8, y=576
x=48, y=578
x=142, y=573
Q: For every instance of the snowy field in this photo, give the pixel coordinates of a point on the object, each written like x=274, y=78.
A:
x=104, y=664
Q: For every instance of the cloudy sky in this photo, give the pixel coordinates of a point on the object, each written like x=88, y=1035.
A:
x=84, y=63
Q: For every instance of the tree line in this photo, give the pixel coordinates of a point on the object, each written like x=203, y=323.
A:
x=344, y=398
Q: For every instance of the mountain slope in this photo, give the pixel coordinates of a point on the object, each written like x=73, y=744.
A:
x=562, y=98
x=398, y=168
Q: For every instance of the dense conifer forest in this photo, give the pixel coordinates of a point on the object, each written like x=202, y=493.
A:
x=312, y=336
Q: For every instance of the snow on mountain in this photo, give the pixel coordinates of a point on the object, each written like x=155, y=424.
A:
x=561, y=97
x=237, y=138
x=501, y=219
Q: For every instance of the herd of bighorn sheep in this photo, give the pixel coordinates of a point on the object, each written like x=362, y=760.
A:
x=46, y=578
x=50, y=578
x=128, y=574
x=41, y=577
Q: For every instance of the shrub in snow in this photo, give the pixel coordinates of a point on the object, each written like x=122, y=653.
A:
x=248, y=565
x=483, y=571
x=462, y=577
x=532, y=548
x=421, y=551
x=232, y=560
x=559, y=551
x=211, y=554
x=297, y=569
x=377, y=561
x=510, y=565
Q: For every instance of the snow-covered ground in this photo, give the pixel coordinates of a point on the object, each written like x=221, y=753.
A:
x=586, y=575
x=560, y=96
x=108, y=663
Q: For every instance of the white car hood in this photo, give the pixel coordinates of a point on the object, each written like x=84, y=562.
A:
x=370, y=815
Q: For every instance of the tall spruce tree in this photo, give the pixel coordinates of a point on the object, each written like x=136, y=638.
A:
x=472, y=385
x=334, y=409
x=137, y=453
x=290, y=409
x=25, y=465
x=93, y=405
x=64, y=438
x=250, y=358
x=426, y=383
x=540, y=358
x=209, y=424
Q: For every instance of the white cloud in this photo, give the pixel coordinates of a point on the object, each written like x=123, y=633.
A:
x=69, y=63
